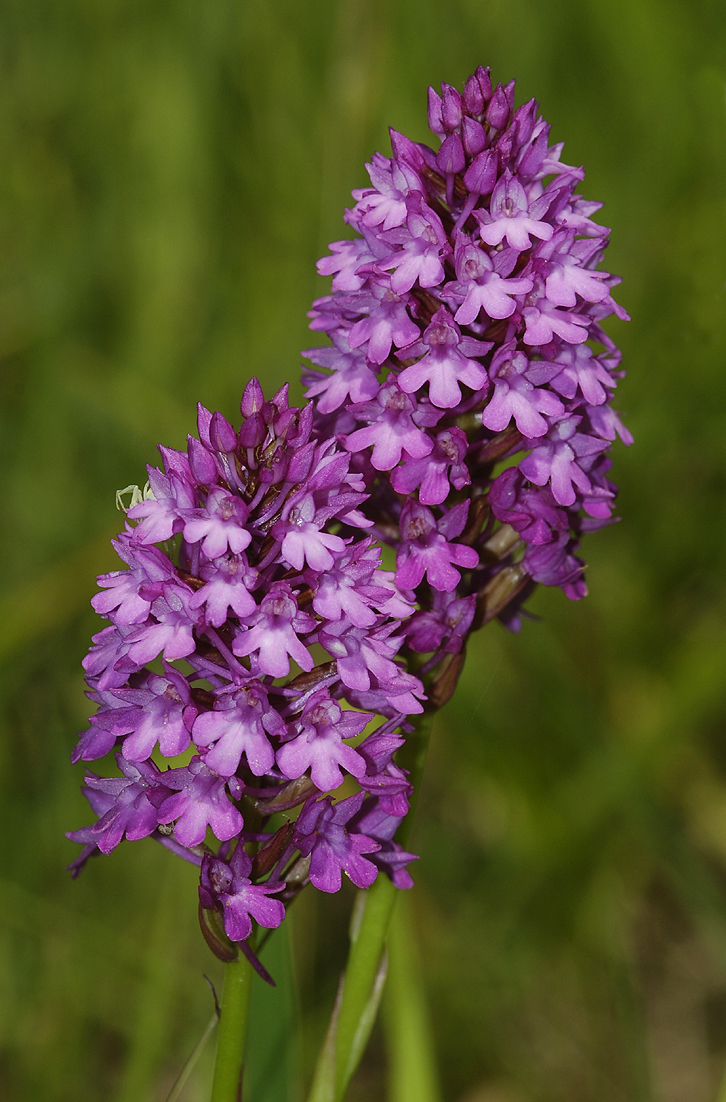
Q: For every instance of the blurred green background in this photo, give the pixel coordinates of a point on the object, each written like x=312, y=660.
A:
x=171, y=171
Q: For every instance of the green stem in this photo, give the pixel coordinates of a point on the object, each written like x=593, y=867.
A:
x=362, y=981
x=412, y=1075
x=232, y=1030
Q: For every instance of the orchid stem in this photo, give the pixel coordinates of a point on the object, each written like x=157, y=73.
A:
x=412, y=1074
x=232, y=1031
x=362, y=982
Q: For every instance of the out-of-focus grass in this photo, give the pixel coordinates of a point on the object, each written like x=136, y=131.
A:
x=170, y=174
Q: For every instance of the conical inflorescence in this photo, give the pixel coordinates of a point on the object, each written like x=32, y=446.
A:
x=469, y=374
x=257, y=653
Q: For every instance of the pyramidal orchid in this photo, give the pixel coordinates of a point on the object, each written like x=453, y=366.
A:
x=472, y=293
x=234, y=576
x=257, y=654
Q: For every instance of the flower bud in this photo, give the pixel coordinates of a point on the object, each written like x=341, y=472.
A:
x=451, y=110
x=436, y=122
x=450, y=158
x=473, y=96
x=498, y=110
x=253, y=399
x=481, y=175
x=221, y=434
x=474, y=136
x=485, y=83
x=201, y=461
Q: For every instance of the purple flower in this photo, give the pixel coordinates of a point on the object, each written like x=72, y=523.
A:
x=302, y=539
x=163, y=514
x=111, y=721
x=267, y=568
x=568, y=275
x=343, y=265
x=383, y=778
x=100, y=802
x=226, y=886
x=253, y=562
x=445, y=364
x=423, y=246
x=384, y=204
x=220, y=526
x=581, y=370
x=320, y=832
x=390, y=857
x=343, y=592
x=273, y=634
x=131, y=814
x=544, y=322
x=365, y=658
x=170, y=630
x=556, y=460
x=108, y=661
x=531, y=510
x=496, y=425
x=130, y=593
x=442, y=627
x=161, y=710
x=437, y=472
x=239, y=725
x=388, y=323
x=512, y=216
x=317, y=743
x=482, y=284
x=426, y=549
x=393, y=428
x=515, y=396
x=554, y=564
x=352, y=378
x=228, y=582
x=200, y=800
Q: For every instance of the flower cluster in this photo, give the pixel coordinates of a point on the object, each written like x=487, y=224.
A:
x=465, y=320
x=253, y=638
x=257, y=652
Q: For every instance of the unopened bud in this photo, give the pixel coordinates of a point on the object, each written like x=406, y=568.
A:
x=253, y=399
x=221, y=434
x=298, y=874
x=450, y=158
x=499, y=445
x=498, y=109
x=485, y=82
x=451, y=111
x=294, y=793
x=436, y=124
x=481, y=175
x=201, y=461
x=474, y=136
x=473, y=97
